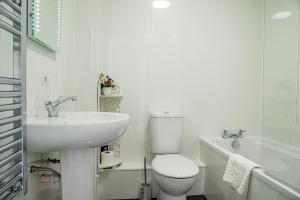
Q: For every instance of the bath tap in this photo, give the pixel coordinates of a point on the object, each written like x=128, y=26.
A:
x=235, y=144
x=233, y=133
x=53, y=107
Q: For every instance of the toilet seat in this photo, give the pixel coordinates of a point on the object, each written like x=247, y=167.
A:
x=174, y=166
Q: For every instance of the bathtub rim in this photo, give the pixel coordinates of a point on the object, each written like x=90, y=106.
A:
x=258, y=173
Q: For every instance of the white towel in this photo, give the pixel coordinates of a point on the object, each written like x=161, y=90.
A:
x=238, y=172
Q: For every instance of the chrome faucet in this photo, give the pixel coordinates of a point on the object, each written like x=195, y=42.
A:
x=53, y=107
x=233, y=133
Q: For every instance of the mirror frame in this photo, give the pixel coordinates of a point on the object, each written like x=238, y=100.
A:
x=30, y=31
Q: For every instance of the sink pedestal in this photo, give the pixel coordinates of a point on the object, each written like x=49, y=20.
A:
x=78, y=170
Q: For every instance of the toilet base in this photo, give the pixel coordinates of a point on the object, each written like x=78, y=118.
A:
x=165, y=196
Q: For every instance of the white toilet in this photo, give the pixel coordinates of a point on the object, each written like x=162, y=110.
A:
x=174, y=174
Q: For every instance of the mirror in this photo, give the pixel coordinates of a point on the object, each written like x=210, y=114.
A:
x=44, y=23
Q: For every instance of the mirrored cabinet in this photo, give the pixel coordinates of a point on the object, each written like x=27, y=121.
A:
x=44, y=23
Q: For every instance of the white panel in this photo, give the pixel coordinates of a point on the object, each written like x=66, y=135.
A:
x=198, y=57
x=216, y=189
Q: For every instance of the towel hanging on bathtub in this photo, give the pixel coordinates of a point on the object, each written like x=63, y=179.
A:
x=238, y=172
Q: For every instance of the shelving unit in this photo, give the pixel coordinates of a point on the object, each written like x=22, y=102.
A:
x=110, y=104
x=116, y=163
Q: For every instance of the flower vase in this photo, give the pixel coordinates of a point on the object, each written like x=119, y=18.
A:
x=107, y=91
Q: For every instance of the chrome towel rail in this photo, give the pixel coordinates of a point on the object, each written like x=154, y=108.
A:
x=11, y=195
x=8, y=107
x=10, y=94
x=9, y=28
x=12, y=171
x=10, y=81
x=11, y=145
x=10, y=15
x=17, y=168
x=10, y=184
x=13, y=5
x=10, y=120
x=10, y=133
x=15, y=156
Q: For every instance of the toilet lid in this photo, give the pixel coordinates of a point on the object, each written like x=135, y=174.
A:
x=174, y=166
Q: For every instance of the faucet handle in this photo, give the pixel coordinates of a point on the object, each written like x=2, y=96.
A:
x=53, y=107
x=59, y=99
x=47, y=103
x=226, y=133
x=233, y=133
x=241, y=133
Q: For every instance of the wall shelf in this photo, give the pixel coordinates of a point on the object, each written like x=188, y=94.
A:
x=110, y=103
x=116, y=163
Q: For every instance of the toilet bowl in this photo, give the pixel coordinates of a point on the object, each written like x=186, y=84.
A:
x=174, y=174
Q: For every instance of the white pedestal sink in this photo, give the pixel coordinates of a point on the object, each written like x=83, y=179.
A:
x=75, y=134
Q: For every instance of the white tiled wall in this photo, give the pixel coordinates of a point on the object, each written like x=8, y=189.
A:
x=198, y=57
x=40, y=64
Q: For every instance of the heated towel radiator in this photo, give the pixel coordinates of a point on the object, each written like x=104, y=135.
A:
x=12, y=96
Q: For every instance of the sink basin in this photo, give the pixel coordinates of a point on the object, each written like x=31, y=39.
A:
x=73, y=134
x=74, y=130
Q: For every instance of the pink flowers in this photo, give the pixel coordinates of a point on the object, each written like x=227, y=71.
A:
x=106, y=81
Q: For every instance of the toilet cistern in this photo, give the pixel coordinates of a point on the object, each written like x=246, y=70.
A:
x=53, y=107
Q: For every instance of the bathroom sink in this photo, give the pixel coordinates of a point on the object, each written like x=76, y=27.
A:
x=74, y=130
x=74, y=134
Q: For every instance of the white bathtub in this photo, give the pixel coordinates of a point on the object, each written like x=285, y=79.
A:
x=265, y=185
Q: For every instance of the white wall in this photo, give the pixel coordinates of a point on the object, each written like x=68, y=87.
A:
x=198, y=57
x=42, y=63
x=81, y=77
x=68, y=73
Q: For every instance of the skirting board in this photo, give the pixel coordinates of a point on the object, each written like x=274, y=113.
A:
x=124, y=182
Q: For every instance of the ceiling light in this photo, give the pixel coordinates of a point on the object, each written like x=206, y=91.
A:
x=160, y=4
x=282, y=15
